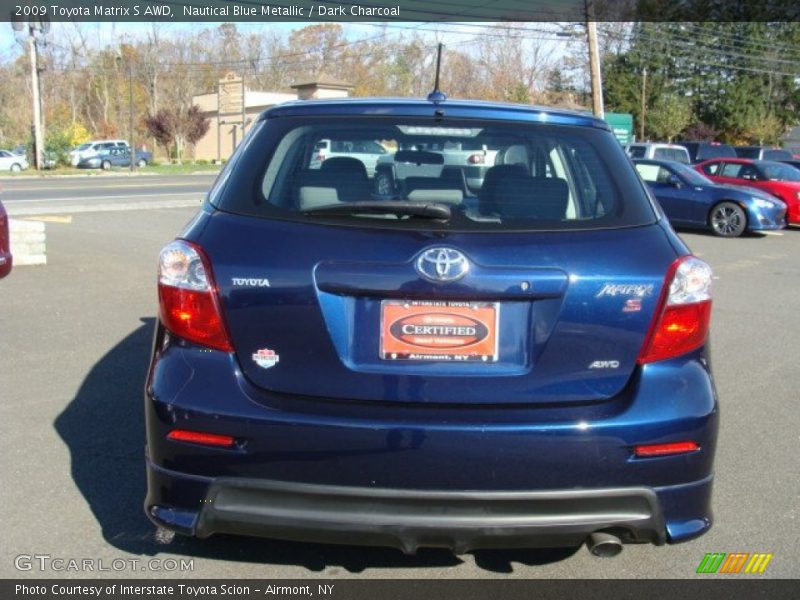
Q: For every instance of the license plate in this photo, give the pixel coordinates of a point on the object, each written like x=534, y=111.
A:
x=439, y=331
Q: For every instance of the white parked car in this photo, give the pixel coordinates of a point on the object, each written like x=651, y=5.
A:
x=93, y=148
x=12, y=162
x=661, y=151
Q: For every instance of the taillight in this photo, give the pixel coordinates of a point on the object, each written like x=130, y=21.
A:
x=681, y=321
x=188, y=302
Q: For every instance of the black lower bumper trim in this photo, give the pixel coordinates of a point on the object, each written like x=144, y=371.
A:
x=408, y=519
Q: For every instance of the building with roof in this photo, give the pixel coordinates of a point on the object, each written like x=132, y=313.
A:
x=225, y=131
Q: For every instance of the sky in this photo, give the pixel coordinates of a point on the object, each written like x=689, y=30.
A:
x=112, y=33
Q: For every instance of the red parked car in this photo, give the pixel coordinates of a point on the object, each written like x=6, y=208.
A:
x=779, y=179
x=5, y=244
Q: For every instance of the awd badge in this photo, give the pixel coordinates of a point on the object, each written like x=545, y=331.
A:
x=266, y=358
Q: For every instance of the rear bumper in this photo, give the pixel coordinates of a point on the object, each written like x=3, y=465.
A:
x=6, y=262
x=409, y=519
x=412, y=475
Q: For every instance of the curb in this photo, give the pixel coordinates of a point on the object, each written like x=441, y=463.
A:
x=28, y=242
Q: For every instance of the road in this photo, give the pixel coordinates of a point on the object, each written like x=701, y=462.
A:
x=99, y=193
x=74, y=342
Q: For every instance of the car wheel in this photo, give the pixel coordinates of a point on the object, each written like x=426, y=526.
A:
x=106, y=165
x=384, y=185
x=15, y=168
x=727, y=219
x=141, y=163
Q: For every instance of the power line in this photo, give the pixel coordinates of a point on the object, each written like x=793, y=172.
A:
x=715, y=54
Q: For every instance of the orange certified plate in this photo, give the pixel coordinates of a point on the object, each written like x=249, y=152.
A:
x=438, y=331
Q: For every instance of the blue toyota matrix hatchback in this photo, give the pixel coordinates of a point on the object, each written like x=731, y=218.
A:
x=493, y=340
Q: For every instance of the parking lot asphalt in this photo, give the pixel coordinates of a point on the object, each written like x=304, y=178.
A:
x=74, y=344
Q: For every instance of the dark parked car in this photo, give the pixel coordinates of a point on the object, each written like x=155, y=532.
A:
x=523, y=367
x=794, y=162
x=693, y=200
x=116, y=157
x=5, y=244
x=700, y=151
x=763, y=153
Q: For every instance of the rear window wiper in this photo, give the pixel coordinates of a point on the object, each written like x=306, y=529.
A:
x=385, y=207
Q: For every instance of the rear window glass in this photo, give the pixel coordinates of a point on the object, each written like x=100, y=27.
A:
x=777, y=155
x=637, y=151
x=780, y=172
x=676, y=154
x=476, y=175
x=714, y=151
x=745, y=152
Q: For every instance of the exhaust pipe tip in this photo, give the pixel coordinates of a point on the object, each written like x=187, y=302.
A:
x=604, y=545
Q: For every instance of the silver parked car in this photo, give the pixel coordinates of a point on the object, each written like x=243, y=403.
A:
x=12, y=162
x=93, y=148
x=661, y=151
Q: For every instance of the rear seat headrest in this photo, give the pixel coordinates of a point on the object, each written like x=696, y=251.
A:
x=491, y=179
x=318, y=187
x=525, y=197
x=345, y=164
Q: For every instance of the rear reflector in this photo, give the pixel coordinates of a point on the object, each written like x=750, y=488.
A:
x=648, y=450
x=197, y=437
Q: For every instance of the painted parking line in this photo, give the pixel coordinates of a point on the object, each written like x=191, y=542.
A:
x=20, y=201
x=777, y=233
x=101, y=207
x=65, y=219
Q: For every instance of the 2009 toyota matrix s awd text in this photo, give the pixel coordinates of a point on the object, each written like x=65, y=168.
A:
x=425, y=362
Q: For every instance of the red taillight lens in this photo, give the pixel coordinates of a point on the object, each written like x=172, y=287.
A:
x=193, y=316
x=682, y=320
x=198, y=437
x=680, y=330
x=188, y=303
x=648, y=450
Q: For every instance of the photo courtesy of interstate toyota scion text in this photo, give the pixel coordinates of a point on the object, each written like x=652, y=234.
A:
x=489, y=336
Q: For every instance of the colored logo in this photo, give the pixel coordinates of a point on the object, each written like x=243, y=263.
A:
x=442, y=265
x=266, y=358
x=734, y=563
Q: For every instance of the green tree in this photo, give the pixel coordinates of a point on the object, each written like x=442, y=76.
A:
x=670, y=115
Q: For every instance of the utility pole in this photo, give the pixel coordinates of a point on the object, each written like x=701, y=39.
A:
x=37, y=27
x=644, y=101
x=130, y=114
x=594, y=61
x=130, y=111
x=38, y=135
